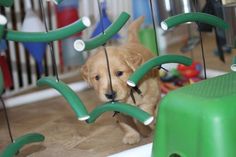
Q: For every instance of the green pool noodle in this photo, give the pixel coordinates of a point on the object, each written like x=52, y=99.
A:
x=127, y=109
x=101, y=39
x=3, y=22
x=6, y=3
x=53, y=35
x=147, y=38
x=12, y=149
x=71, y=97
x=233, y=66
x=155, y=62
x=194, y=17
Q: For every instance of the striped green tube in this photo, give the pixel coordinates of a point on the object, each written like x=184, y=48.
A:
x=233, y=66
x=154, y=62
x=6, y=3
x=12, y=149
x=71, y=97
x=193, y=17
x=128, y=109
x=101, y=39
x=57, y=34
x=3, y=22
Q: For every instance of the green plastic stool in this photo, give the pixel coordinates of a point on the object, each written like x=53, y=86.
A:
x=198, y=120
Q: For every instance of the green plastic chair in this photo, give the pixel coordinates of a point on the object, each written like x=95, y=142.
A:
x=198, y=120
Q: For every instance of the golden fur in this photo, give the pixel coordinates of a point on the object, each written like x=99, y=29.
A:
x=123, y=61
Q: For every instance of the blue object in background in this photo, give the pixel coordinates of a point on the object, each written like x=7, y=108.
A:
x=142, y=8
x=37, y=50
x=103, y=24
x=68, y=4
x=3, y=45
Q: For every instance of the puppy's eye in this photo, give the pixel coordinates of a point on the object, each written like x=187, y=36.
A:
x=119, y=73
x=97, y=77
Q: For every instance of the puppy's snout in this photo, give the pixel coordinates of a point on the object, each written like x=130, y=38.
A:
x=111, y=95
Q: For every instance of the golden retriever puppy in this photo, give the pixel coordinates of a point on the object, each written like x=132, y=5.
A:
x=123, y=61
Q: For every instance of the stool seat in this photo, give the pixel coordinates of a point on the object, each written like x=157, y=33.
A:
x=198, y=120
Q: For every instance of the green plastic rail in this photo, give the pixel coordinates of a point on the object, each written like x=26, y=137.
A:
x=193, y=17
x=154, y=62
x=233, y=66
x=71, y=97
x=130, y=110
x=101, y=39
x=3, y=22
x=6, y=3
x=12, y=149
x=57, y=34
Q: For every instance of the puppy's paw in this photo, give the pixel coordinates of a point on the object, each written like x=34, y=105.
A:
x=131, y=138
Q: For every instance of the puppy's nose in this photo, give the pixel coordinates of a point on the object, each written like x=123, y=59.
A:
x=110, y=95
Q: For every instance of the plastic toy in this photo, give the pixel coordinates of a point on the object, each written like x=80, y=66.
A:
x=191, y=71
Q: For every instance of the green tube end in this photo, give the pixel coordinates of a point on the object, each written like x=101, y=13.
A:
x=233, y=66
x=86, y=21
x=164, y=25
x=3, y=20
x=131, y=83
x=79, y=45
x=83, y=118
x=148, y=121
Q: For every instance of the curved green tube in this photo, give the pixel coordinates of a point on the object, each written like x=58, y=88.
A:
x=130, y=110
x=71, y=97
x=12, y=149
x=57, y=34
x=233, y=66
x=6, y=3
x=154, y=62
x=3, y=22
x=101, y=39
x=193, y=17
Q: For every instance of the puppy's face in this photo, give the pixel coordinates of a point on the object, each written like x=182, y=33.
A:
x=122, y=64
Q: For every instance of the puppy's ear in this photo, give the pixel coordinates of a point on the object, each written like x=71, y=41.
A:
x=133, y=60
x=133, y=30
x=84, y=71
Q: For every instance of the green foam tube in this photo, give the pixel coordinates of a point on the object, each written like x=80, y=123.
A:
x=193, y=17
x=101, y=39
x=12, y=149
x=71, y=97
x=3, y=22
x=154, y=62
x=6, y=3
x=128, y=109
x=57, y=34
x=233, y=66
